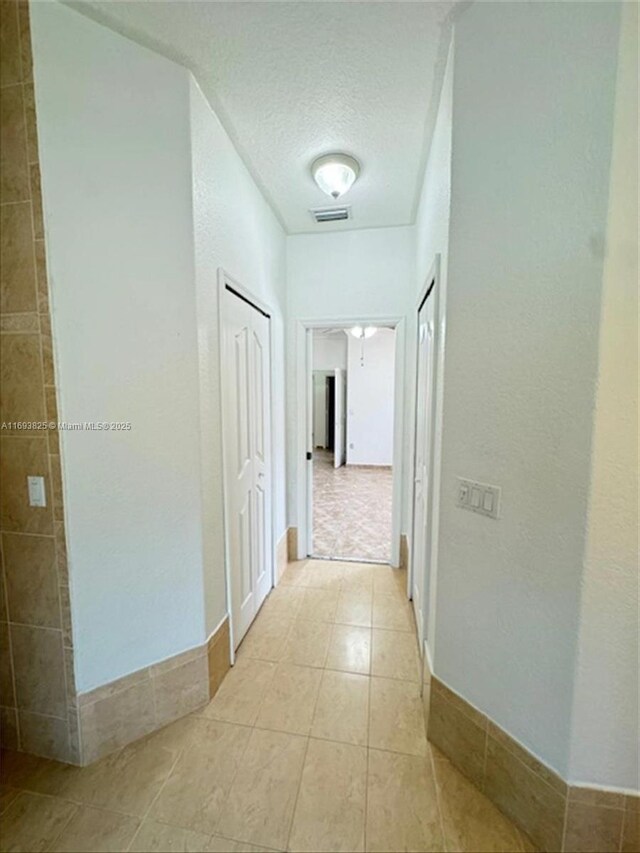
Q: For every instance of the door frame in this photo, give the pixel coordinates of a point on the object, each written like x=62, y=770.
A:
x=304, y=403
x=342, y=373
x=433, y=281
x=225, y=279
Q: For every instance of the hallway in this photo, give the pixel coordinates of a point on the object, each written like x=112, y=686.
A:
x=233, y=233
x=315, y=742
x=351, y=510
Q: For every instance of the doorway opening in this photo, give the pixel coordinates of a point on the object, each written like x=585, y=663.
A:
x=353, y=397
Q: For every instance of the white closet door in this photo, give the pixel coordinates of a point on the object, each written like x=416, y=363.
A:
x=261, y=424
x=246, y=401
x=422, y=472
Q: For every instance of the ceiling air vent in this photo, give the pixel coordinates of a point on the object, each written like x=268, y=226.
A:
x=331, y=214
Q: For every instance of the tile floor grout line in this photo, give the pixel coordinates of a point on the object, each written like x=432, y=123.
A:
x=173, y=767
x=264, y=694
x=251, y=724
x=306, y=752
x=426, y=760
x=370, y=685
x=6, y=805
x=209, y=835
x=240, y=841
x=366, y=788
x=231, y=783
x=622, y=827
x=287, y=845
x=62, y=829
x=154, y=800
x=178, y=756
x=333, y=740
x=219, y=720
x=437, y=790
x=564, y=823
x=70, y=800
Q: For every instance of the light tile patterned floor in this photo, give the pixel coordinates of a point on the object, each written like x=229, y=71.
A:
x=314, y=742
x=351, y=510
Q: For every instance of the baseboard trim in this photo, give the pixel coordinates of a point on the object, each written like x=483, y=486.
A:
x=372, y=466
x=282, y=556
x=218, y=656
x=292, y=544
x=404, y=552
x=122, y=711
x=554, y=814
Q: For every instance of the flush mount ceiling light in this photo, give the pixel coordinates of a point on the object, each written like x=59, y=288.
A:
x=335, y=174
x=367, y=332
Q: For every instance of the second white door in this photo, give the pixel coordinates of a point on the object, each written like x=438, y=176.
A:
x=422, y=462
x=247, y=421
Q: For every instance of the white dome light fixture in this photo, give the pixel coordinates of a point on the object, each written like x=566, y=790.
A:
x=335, y=174
x=367, y=332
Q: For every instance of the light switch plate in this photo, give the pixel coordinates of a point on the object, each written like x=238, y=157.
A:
x=37, y=496
x=478, y=497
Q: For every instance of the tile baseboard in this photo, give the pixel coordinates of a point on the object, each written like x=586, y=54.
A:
x=404, y=551
x=292, y=544
x=369, y=467
x=282, y=555
x=116, y=714
x=555, y=815
x=219, y=657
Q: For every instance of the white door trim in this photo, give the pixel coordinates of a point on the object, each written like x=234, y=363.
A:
x=303, y=330
x=339, y=418
x=225, y=279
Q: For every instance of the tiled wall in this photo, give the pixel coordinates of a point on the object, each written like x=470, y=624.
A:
x=37, y=693
x=121, y=712
x=40, y=710
x=555, y=815
x=118, y=713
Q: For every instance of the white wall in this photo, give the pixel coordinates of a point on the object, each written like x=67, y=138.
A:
x=120, y=254
x=351, y=275
x=432, y=218
x=144, y=198
x=432, y=241
x=234, y=228
x=370, y=398
x=329, y=351
x=605, y=731
x=533, y=90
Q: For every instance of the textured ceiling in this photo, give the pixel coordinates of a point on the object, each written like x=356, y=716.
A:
x=291, y=81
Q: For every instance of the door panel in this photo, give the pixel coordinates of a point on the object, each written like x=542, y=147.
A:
x=260, y=516
x=242, y=399
x=245, y=536
x=258, y=367
x=239, y=466
x=422, y=462
x=247, y=418
x=261, y=420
